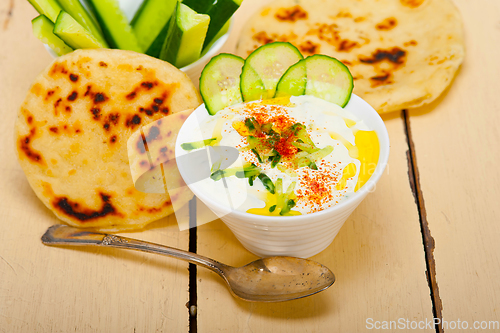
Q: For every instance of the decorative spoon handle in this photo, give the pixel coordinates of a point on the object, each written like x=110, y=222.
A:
x=64, y=235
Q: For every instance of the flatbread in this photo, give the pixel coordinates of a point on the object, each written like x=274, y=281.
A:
x=402, y=53
x=72, y=130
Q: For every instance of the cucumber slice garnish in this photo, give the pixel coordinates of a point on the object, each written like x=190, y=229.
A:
x=43, y=30
x=251, y=86
x=268, y=64
x=220, y=82
x=115, y=25
x=328, y=79
x=150, y=19
x=294, y=81
x=185, y=38
x=73, y=34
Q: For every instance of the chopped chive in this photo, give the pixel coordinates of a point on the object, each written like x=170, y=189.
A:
x=289, y=205
x=217, y=175
x=188, y=146
x=251, y=179
x=272, y=208
x=276, y=159
x=249, y=124
x=267, y=182
x=257, y=154
x=313, y=166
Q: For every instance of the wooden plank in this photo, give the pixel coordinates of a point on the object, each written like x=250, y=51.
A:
x=378, y=259
x=456, y=141
x=48, y=289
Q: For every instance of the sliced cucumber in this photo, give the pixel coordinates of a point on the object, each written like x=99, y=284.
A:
x=73, y=34
x=294, y=81
x=49, y=8
x=220, y=12
x=150, y=19
x=185, y=38
x=251, y=85
x=269, y=62
x=220, y=82
x=221, y=33
x=155, y=47
x=43, y=30
x=80, y=14
x=115, y=25
x=328, y=79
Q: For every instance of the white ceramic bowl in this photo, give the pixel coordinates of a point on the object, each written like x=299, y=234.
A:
x=298, y=236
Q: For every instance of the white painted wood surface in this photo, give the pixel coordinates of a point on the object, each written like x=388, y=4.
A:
x=457, y=142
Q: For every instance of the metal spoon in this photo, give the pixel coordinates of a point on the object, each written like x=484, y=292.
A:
x=271, y=279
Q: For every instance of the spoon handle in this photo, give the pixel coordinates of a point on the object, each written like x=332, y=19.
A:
x=64, y=235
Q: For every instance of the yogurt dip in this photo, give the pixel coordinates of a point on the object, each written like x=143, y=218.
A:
x=298, y=155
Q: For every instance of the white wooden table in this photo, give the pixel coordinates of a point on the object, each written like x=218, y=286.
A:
x=425, y=245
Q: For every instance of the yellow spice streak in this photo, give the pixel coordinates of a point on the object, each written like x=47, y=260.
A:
x=348, y=172
x=349, y=123
x=285, y=101
x=353, y=150
x=240, y=127
x=369, y=150
x=366, y=150
x=270, y=200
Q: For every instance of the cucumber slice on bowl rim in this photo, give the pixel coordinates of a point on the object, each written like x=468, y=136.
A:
x=328, y=79
x=220, y=82
x=294, y=81
x=269, y=62
x=320, y=76
x=222, y=85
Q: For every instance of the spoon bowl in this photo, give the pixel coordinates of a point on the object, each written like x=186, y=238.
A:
x=277, y=279
x=272, y=279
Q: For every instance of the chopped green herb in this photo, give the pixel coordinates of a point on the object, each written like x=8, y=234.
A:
x=272, y=208
x=257, y=154
x=276, y=159
x=289, y=205
x=251, y=179
x=188, y=146
x=217, y=175
x=267, y=182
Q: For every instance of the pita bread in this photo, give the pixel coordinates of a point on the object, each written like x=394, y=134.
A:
x=72, y=130
x=402, y=53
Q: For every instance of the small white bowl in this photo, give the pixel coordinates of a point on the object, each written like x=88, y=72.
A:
x=299, y=236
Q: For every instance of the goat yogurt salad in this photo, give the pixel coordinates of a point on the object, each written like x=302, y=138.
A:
x=297, y=155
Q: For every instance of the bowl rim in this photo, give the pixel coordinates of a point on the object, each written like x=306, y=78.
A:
x=376, y=123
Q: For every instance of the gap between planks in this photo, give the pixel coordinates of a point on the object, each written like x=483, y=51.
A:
x=428, y=240
x=193, y=293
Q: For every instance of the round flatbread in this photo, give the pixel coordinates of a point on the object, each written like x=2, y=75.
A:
x=72, y=130
x=402, y=53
